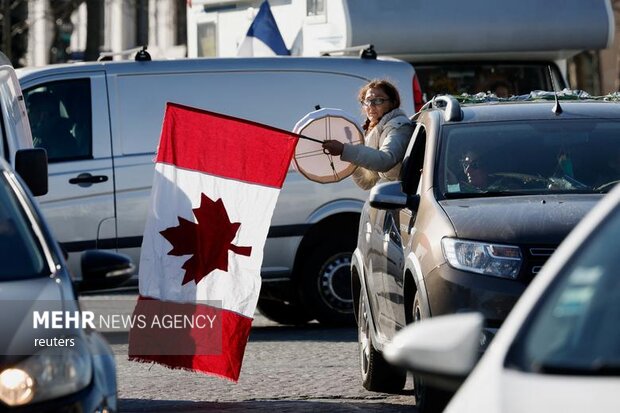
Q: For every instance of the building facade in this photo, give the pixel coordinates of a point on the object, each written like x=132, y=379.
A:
x=125, y=24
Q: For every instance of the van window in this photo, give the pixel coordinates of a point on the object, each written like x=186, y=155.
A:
x=504, y=80
x=207, y=45
x=60, y=117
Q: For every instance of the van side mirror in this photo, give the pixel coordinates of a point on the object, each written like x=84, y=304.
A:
x=31, y=166
x=389, y=195
x=104, y=269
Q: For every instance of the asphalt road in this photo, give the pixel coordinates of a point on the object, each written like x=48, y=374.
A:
x=285, y=369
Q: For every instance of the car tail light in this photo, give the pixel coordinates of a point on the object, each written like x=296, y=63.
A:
x=418, y=97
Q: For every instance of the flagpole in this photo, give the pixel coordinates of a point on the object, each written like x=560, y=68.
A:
x=310, y=139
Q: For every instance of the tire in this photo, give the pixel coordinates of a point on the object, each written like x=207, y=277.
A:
x=283, y=313
x=326, y=282
x=428, y=399
x=377, y=374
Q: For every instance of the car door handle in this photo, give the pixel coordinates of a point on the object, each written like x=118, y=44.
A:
x=85, y=179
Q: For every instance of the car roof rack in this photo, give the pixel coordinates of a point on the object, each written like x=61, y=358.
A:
x=451, y=106
x=141, y=54
x=366, y=51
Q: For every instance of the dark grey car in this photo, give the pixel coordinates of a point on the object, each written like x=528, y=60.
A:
x=488, y=192
x=49, y=369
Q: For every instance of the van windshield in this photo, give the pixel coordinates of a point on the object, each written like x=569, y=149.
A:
x=529, y=157
x=504, y=80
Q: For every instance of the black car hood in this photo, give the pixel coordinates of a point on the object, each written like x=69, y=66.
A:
x=539, y=219
x=18, y=301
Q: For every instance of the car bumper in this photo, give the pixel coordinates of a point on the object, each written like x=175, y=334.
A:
x=452, y=291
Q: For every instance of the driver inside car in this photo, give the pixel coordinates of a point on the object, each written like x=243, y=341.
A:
x=476, y=177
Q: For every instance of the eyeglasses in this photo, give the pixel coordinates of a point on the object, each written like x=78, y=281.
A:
x=374, y=102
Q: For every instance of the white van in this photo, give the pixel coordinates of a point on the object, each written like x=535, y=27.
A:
x=16, y=145
x=109, y=120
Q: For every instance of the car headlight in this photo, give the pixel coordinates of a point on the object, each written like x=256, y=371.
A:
x=489, y=259
x=16, y=387
x=49, y=374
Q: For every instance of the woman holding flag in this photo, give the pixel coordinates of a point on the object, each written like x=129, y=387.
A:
x=387, y=130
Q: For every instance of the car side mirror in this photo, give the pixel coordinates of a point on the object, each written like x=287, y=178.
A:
x=31, y=166
x=389, y=195
x=441, y=350
x=104, y=269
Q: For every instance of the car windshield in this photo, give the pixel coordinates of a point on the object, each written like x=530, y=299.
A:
x=20, y=251
x=575, y=328
x=529, y=157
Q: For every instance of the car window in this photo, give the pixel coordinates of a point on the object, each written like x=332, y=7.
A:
x=60, y=117
x=529, y=157
x=575, y=329
x=20, y=252
x=411, y=170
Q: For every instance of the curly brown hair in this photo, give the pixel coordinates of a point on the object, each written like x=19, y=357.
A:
x=388, y=88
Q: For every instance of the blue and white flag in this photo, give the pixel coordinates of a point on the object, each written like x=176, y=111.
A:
x=263, y=37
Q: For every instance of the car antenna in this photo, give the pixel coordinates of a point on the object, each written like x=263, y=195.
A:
x=557, y=109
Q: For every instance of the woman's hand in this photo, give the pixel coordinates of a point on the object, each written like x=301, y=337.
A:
x=333, y=147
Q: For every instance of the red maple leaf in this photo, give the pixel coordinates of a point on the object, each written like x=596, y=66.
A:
x=208, y=240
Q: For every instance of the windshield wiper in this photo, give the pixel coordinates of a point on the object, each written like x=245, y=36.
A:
x=603, y=189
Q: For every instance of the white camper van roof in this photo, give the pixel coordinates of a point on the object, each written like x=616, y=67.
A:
x=421, y=30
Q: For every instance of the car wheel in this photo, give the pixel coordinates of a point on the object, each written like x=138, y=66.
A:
x=326, y=282
x=428, y=399
x=377, y=374
x=283, y=313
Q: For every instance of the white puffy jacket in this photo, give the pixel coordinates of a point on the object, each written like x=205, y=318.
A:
x=383, y=152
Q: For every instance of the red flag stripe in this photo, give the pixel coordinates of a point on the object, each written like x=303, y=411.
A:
x=218, y=351
x=221, y=144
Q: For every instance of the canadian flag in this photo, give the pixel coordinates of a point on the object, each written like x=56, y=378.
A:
x=217, y=180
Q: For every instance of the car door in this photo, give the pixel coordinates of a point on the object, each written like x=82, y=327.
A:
x=372, y=224
x=75, y=130
x=398, y=229
x=392, y=269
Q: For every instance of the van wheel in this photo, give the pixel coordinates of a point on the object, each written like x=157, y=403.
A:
x=283, y=313
x=377, y=374
x=427, y=399
x=326, y=282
